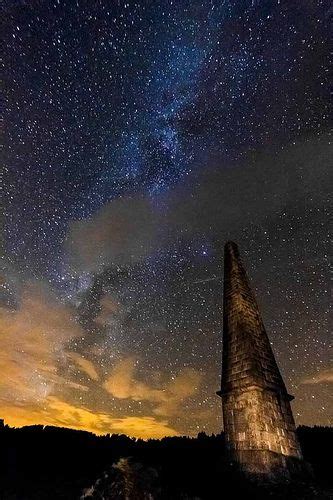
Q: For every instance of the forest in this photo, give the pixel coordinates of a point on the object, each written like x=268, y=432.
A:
x=41, y=462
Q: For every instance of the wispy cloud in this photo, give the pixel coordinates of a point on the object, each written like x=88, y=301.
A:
x=123, y=383
x=84, y=364
x=32, y=340
x=324, y=376
x=122, y=232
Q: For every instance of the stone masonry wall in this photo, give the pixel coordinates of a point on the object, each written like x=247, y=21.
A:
x=258, y=421
x=247, y=353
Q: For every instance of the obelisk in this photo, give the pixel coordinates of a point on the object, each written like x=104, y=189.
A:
x=258, y=422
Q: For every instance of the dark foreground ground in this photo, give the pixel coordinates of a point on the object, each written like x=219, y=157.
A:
x=54, y=463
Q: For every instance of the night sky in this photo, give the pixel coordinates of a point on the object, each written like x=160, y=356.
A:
x=139, y=137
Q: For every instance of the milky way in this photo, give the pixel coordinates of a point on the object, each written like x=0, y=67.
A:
x=139, y=137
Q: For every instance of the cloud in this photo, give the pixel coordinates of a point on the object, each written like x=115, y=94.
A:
x=32, y=340
x=183, y=386
x=224, y=198
x=55, y=411
x=34, y=344
x=143, y=427
x=123, y=383
x=109, y=308
x=121, y=233
x=324, y=376
x=220, y=201
x=84, y=364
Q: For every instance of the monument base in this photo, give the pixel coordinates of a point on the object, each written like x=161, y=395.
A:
x=268, y=466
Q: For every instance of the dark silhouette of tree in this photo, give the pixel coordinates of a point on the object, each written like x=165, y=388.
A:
x=56, y=463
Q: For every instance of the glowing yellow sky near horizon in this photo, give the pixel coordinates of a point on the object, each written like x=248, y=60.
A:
x=61, y=414
x=34, y=344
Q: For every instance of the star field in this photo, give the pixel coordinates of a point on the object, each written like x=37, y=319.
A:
x=140, y=137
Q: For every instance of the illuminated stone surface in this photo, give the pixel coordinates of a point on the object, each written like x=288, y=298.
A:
x=258, y=421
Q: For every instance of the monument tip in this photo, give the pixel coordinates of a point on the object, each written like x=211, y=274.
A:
x=231, y=247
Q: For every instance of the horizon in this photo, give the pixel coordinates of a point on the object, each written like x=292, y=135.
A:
x=108, y=434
